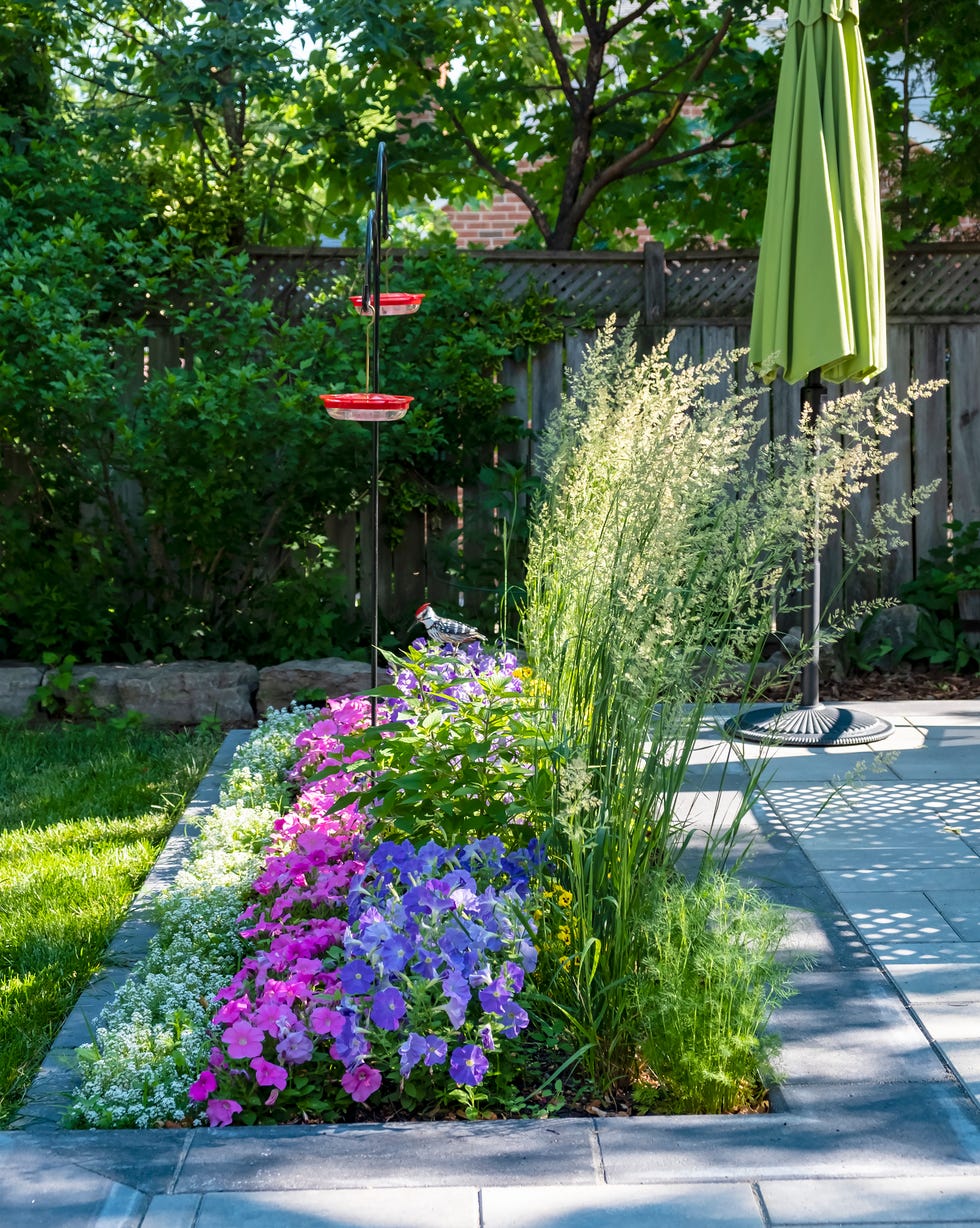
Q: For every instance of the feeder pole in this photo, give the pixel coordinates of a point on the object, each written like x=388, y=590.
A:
x=377, y=232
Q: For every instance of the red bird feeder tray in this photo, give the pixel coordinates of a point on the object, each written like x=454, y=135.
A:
x=397, y=304
x=365, y=406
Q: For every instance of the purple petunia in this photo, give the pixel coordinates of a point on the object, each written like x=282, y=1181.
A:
x=357, y=977
x=295, y=1048
x=411, y=1051
x=467, y=1065
x=513, y=1019
x=435, y=1050
x=388, y=1009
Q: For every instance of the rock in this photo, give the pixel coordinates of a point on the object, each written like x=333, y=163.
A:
x=179, y=693
x=17, y=685
x=329, y=676
x=884, y=635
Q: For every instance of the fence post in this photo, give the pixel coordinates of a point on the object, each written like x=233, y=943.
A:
x=654, y=297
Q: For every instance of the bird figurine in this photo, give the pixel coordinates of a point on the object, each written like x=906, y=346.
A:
x=445, y=630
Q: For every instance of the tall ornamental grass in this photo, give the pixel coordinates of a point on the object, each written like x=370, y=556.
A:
x=665, y=543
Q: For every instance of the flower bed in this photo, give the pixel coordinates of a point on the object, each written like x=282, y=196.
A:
x=313, y=964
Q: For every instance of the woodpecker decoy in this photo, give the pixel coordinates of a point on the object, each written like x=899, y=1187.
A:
x=446, y=630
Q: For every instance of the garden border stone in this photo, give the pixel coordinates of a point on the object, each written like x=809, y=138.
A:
x=185, y=693
x=17, y=684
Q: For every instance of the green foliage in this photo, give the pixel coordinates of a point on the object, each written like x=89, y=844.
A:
x=464, y=760
x=925, y=72
x=947, y=571
x=494, y=570
x=940, y=642
x=582, y=117
x=235, y=120
x=179, y=515
x=708, y=980
x=61, y=694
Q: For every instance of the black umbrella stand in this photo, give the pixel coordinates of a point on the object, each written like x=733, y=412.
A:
x=811, y=723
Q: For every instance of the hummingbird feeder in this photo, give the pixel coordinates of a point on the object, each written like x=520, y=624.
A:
x=365, y=406
x=395, y=303
x=374, y=406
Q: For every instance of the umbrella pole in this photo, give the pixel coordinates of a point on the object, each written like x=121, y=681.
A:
x=812, y=723
x=811, y=395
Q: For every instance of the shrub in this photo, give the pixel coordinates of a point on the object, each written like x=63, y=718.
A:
x=180, y=515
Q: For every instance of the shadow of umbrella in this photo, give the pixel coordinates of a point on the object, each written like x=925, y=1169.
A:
x=819, y=305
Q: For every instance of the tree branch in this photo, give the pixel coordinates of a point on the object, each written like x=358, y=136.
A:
x=557, y=54
x=500, y=179
x=628, y=20
x=617, y=169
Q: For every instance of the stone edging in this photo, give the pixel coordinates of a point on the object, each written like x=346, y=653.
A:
x=183, y=693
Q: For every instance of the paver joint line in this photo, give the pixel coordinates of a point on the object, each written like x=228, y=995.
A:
x=179, y=1166
x=760, y=1202
x=598, y=1165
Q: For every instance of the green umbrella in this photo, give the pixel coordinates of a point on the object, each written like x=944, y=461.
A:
x=819, y=307
x=820, y=291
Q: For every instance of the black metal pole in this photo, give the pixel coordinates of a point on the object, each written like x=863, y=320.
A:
x=812, y=723
x=811, y=395
x=377, y=230
x=372, y=294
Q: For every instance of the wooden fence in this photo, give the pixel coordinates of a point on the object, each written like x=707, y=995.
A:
x=704, y=298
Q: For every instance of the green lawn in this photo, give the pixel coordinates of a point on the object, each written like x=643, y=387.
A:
x=84, y=810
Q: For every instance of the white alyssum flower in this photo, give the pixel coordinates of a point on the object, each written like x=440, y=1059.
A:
x=153, y=1038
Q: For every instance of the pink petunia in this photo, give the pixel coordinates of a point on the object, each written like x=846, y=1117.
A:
x=220, y=1112
x=203, y=1086
x=325, y=1021
x=274, y=1017
x=243, y=1040
x=361, y=1082
x=233, y=1011
x=268, y=1074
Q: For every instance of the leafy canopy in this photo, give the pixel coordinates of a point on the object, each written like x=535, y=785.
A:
x=594, y=115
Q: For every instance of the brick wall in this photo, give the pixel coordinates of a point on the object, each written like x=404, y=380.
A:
x=495, y=225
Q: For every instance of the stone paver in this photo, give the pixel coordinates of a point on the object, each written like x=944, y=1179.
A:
x=623, y=1206
x=357, y=1208
x=910, y=1200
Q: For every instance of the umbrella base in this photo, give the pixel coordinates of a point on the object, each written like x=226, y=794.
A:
x=810, y=725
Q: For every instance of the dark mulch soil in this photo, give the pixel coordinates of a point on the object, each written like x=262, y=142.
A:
x=894, y=687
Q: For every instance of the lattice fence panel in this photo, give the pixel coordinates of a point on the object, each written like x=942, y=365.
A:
x=702, y=285
x=943, y=280
x=934, y=281
x=612, y=286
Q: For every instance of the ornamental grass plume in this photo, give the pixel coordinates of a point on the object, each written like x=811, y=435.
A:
x=664, y=544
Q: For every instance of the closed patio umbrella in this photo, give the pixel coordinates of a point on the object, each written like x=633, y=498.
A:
x=819, y=305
